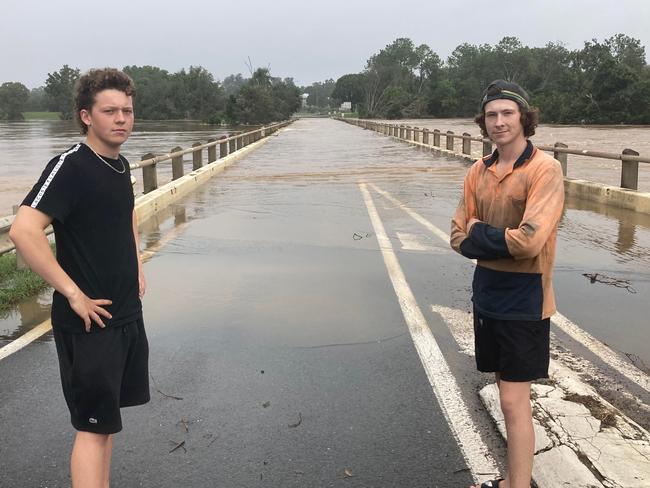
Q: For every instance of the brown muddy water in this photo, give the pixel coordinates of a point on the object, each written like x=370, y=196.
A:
x=26, y=147
x=608, y=138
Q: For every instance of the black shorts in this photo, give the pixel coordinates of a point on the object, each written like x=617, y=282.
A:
x=517, y=349
x=101, y=372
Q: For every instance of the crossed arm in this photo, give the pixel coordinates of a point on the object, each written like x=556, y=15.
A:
x=475, y=239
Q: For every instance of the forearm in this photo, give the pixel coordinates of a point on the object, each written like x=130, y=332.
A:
x=489, y=239
x=34, y=247
x=136, y=239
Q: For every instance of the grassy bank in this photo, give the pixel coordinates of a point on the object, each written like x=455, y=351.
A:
x=16, y=284
x=41, y=115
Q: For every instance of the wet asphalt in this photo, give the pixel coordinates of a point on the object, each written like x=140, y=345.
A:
x=279, y=353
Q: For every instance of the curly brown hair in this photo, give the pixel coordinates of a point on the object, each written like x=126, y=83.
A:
x=529, y=120
x=94, y=81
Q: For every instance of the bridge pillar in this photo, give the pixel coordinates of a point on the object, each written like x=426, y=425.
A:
x=630, y=170
x=467, y=143
x=408, y=133
x=425, y=136
x=212, y=151
x=402, y=131
x=238, y=142
x=177, y=164
x=197, y=157
x=450, y=140
x=149, y=175
x=416, y=134
x=436, y=137
x=232, y=145
x=561, y=157
x=487, y=147
x=223, y=147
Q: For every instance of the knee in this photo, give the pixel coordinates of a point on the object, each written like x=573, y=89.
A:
x=90, y=438
x=514, y=405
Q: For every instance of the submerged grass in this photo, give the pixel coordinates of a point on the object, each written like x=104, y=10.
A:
x=17, y=284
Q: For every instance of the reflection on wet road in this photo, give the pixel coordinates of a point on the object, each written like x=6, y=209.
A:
x=275, y=327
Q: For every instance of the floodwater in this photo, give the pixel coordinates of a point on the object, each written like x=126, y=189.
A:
x=301, y=187
x=26, y=147
x=609, y=138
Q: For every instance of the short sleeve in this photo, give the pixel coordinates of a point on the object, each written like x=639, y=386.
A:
x=56, y=193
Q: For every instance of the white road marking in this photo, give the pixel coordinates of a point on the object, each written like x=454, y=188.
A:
x=411, y=242
x=461, y=326
x=44, y=327
x=416, y=216
x=25, y=339
x=476, y=453
x=604, y=352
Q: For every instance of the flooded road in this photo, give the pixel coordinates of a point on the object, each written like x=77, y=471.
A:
x=279, y=350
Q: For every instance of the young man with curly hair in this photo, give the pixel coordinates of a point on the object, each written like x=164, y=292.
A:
x=86, y=194
x=507, y=220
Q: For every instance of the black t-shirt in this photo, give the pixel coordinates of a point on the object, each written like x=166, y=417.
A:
x=91, y=205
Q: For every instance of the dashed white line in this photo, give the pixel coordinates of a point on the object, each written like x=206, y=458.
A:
x=410, y=242
x=444, y=385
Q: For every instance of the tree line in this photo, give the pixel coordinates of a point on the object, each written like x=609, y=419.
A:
x=602, y=83
x=161, y=95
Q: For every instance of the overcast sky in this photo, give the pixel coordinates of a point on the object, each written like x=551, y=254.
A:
x=309, y=40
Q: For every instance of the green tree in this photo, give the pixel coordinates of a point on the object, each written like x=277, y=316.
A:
x=232, y=84
x=319, y=93
x=349, y=88
x=263, y=99
x=203, y=97
x=59, y=88
x=13, y=100
x=153, y=93
x=37, y=100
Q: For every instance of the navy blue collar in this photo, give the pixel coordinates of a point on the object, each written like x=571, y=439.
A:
x=528, y=152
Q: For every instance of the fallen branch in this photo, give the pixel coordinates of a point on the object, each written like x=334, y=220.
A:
x=608, y=280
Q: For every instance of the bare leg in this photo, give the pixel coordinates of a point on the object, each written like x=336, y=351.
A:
x=515, y=436
x=107, y=462
x=515, y=404
x=90, y=460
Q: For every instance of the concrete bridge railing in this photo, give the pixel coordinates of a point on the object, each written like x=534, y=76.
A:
x=625, y=196
x=217, y=149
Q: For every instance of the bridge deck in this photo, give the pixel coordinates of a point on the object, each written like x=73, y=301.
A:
x=284, y=343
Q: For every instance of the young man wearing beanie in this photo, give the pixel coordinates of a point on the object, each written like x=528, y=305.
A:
x=507, y=220
x=86, y=194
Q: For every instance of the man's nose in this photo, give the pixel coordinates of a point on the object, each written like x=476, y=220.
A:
x=119, y=116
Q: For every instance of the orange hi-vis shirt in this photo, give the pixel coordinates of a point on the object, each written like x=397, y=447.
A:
x=514, y=221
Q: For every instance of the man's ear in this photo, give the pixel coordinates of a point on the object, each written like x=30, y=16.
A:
x=84, y=115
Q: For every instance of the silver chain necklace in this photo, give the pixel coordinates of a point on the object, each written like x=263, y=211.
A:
x=119, y=157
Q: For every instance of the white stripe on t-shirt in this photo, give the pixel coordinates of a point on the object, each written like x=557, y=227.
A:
x=51, y=176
